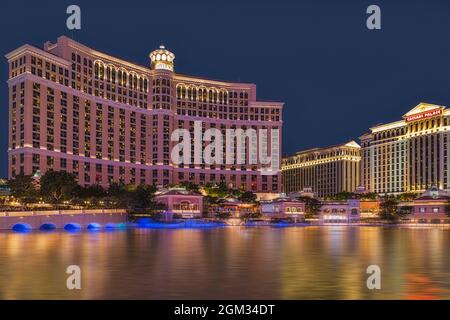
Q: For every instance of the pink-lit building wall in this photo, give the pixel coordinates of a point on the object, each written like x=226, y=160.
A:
x=104, y=119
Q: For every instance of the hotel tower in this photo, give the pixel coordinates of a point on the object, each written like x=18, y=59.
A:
x=326, y=171
x=409, y=155
x=104, y=119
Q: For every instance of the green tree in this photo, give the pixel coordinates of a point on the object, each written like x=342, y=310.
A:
x=92, y=191
x=407, y=196
x=312, y=206
x=119, y=194
x=58, y=186
x=404, y=210
x=343, y=196
x=23, y=188
x=188, y=185
x=217, y=190
x=248, y=197
x=368, y=196
x=388, y=207
x=143, y=196
x=115, y=189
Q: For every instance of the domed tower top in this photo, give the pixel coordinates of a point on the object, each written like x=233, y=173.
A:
x=162, y=59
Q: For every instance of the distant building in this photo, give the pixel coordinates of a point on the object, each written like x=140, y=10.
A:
x=282, y=208
x=409, y=155
x=233, y=207
x=340, y=211
x=306, y=192
x=326, y=171
x=180, y=202
x=370, y=208
x=431, y=207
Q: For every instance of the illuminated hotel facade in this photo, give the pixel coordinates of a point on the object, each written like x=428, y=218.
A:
x=410, y=155
x=104, y=119
x=327, y=171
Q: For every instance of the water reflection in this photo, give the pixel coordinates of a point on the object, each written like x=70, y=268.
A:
x=265, y=263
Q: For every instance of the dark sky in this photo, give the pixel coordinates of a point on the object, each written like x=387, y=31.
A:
x=336, y=77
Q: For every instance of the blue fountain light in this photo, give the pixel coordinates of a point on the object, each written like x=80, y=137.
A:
x=93, y=226
x=72, y=227
x=48, y=226
x=21, y=227
x=110, y=226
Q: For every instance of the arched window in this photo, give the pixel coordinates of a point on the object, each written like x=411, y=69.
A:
x=145, y=85
x=119, y=76
x=108, y=73
x=130, y=81
x=96, y=70
x=211, y=95
x=102, y=72
x=124, y=78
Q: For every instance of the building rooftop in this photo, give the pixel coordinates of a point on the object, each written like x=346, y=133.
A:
x=350, y=144
x=434, y=193
x=177, y=191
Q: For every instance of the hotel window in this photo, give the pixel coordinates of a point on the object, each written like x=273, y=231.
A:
x=63, y=163
x=435, y=210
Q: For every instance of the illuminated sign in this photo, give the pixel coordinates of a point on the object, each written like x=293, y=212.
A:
x=424, y=115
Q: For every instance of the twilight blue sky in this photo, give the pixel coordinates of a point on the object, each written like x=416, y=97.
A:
x=336, y=77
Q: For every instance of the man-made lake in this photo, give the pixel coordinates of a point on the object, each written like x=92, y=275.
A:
x=228, y=263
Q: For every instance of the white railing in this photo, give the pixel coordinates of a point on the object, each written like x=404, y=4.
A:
x=60, y=212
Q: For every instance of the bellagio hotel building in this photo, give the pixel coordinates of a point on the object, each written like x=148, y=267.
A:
x=409, y=155
x=104, y=119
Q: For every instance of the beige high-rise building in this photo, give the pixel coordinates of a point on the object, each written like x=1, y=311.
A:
x=327, y=170
x=409, y=155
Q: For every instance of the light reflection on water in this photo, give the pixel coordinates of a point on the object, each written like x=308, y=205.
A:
x=228, y=263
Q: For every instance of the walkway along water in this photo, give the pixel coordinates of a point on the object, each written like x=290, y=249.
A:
x=62, y=219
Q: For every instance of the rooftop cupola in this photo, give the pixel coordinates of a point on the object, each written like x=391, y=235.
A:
x=162, y=59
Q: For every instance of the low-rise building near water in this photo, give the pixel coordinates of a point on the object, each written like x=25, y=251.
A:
x=340, y=211
x=233, y=208
x=431, y=207
x=282, y=208
x=180, y=202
